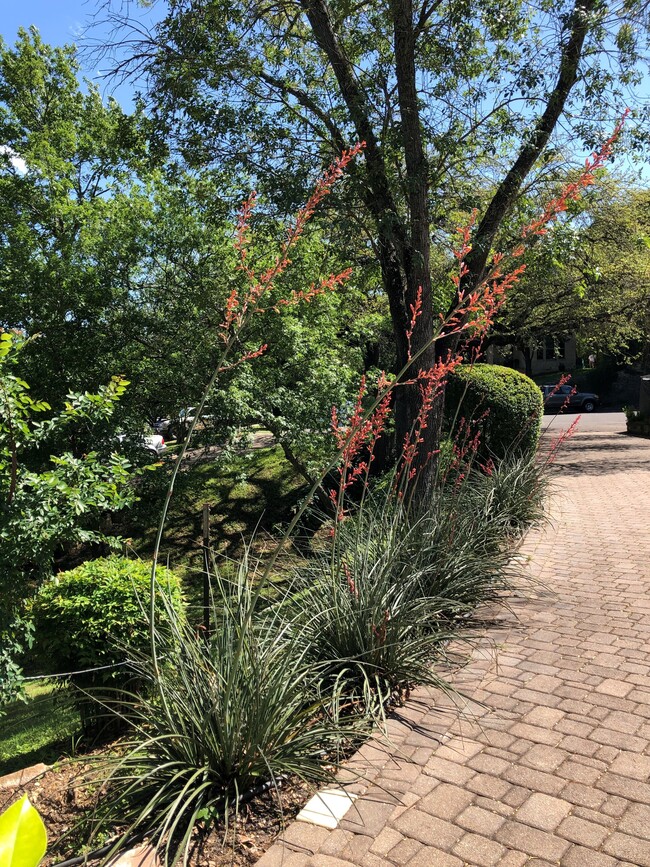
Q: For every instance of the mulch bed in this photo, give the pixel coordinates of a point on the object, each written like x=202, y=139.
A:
x=62, y=799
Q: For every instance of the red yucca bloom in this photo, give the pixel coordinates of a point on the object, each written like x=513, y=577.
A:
x=359, y=436
x=472, y=317
x=430, y=384
x=380, y=631
x=416, y=310
x=240, y=305
x=572, y=191
x=468, y=440
x=559, y=441
x=352, y=587
x=327, y=284
x=563, y=381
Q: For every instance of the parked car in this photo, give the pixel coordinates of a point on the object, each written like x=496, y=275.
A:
x=565, y=395
x=172, y=428
x=163, y=426
x=154, y=443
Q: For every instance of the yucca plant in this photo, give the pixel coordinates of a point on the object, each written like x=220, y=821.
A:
x=225, y=714
x=369, y=628
x=455, y=554
x=513, y=494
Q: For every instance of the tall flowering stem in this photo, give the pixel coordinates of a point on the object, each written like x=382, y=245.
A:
x=571, y=192
x=239, y=308
x=559, y=441
x=470, y=321
x=359, y=437
x=241, y=305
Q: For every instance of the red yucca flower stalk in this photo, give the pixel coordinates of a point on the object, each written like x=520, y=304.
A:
x=361, y=434
x=559, y=441
x=471, y=318
x=563, y=381
x=238, y=309
x=572, y=191
x=240, y=305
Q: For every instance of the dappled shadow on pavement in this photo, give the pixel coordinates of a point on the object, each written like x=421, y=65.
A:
x=543, y=756
x=599, y=454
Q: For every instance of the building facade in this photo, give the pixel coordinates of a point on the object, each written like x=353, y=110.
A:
x=553, y=354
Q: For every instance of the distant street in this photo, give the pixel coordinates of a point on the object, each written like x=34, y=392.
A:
x=601, y=421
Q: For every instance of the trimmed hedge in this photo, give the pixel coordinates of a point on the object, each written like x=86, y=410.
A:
x=514, y=402
x=81, y=616
x=92, y=616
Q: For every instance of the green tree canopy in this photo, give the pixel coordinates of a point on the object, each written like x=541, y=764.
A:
x=453, y=100
x=588, y=277
x=123, y=260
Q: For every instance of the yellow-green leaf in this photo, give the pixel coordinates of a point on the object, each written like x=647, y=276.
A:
x=23, y=839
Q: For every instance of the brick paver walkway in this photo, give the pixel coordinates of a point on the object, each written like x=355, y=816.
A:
x=548, y=761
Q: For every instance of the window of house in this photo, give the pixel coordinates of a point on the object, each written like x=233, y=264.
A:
x=550, y=348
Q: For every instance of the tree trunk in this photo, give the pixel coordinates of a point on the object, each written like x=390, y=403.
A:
x=527, y=352
x=404, y=253
x=477, y=260
x=404, y=244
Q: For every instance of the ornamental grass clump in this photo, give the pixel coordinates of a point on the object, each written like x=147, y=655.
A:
x=457, y=556
x=370, y=629
x=223, y=715
x=512, y=496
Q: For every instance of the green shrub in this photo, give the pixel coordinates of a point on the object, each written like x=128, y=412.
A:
x=50, y=498
x=513, y=403
x=94, y=616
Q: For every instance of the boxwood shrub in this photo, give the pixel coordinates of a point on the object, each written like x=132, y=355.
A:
x=90, y=616
x=514, y=403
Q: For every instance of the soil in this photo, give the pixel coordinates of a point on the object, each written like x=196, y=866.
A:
x=62, y=797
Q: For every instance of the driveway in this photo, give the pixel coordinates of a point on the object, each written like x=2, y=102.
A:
x=600, y=421
x=546, y=760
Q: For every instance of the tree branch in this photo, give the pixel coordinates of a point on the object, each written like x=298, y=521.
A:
x=578, y=27
x=393, y=244
x=307, y=102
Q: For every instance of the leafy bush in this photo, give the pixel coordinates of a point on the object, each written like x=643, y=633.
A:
x=512, y=401
x=93, y=616
x=47, y=500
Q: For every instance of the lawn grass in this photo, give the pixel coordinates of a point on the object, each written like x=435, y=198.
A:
x=250, y=494
x=41, y=729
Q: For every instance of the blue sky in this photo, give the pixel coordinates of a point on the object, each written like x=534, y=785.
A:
x=64, y=21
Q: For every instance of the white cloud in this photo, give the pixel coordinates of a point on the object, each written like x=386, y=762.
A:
x=17, y=162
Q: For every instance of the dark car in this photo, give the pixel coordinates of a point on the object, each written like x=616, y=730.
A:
x=567, y=396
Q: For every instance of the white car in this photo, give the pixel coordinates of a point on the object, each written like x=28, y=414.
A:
x=154, y=443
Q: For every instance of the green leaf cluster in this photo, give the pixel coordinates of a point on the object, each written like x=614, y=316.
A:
x=48, y=500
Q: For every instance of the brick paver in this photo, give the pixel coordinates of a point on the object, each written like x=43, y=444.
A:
x=546, y=758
